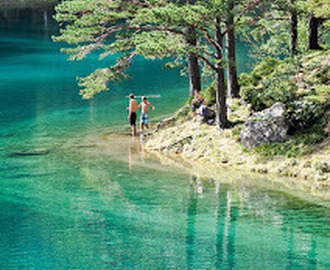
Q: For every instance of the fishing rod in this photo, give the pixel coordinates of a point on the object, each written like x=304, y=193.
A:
x=147, y=96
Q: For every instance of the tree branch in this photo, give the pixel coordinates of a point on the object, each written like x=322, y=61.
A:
x=117, y=28
x=206, y=61
x=210, y=54
x=123, y=63
x=208, y=37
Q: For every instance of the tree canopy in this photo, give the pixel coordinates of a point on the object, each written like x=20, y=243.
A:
x=179, y=30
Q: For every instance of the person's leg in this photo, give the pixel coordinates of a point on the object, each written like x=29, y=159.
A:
x=133, y=123
x=133, y=130
x=146, y=122
x=142, y=123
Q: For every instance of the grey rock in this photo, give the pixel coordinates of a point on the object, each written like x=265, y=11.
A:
x=266, y=127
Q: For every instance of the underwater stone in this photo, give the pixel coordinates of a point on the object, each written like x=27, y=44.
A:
x=37, y=152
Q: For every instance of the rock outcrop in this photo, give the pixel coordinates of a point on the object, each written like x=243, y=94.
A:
x=265, y=127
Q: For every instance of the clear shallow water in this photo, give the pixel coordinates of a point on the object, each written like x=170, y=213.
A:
x=109, y=205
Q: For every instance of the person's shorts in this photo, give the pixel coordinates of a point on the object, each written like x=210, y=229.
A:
x=132, y=121
x=195, y=106
x=144, y=119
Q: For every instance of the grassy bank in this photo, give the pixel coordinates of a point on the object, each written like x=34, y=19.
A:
x=302, y=161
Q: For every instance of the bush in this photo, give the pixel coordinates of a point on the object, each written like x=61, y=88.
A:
x=302, y=84
x=303, y=113
x=266, y=67
x=209, y=94
x=266, y=94
x=267, y=84
x=277, y=81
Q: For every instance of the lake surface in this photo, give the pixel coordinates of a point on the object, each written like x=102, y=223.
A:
x=74, y=197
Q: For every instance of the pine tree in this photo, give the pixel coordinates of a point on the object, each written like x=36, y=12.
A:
x=153, y=29
x=232, y=82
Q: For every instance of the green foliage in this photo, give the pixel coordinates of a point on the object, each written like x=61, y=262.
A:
x=302, y=143
x=304, y=112
x=267, y=84
x=320, y=8
x=268, y=29
x=152, y=29
x=321, y=92
x=209, y=94
x=236, y=131
x=302, y=84
x=117, y=28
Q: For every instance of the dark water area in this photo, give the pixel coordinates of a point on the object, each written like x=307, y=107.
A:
x=73, y=197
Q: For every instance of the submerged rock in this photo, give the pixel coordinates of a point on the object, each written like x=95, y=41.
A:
x=267, y=126
x=36, y=152
x=6, y=135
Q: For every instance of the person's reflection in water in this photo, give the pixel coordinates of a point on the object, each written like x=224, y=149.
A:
x=130, y=155
x=143, y=153
x=136, y=152
x=191, y=221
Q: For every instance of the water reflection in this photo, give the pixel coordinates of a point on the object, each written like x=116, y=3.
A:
x=270, y=236
x=191, y=221
x=103, y=213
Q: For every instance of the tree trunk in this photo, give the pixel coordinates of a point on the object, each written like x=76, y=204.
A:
x=194, y=73
x=313, y=25
x=232, y=82
x=294, y=30
x=221, y=115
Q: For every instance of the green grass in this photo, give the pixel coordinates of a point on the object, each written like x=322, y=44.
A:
x=298, y=145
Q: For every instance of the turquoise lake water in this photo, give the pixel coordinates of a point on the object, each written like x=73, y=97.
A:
x=91, y=200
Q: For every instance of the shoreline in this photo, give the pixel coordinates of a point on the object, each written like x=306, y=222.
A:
x=289, y=185
x=131, y=151
x=206, y=152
